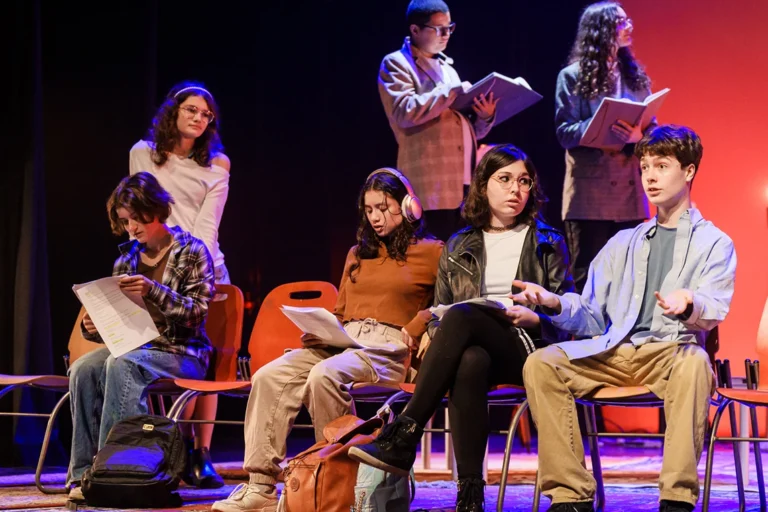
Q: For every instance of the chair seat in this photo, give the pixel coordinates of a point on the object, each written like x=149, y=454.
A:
x=209, y=386
x=625, y=395
x=50, y=382
x=367, y=389
x=747, y=396
x=500, y=392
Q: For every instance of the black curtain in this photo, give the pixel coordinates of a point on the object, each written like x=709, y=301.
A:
x=301, y=121
x=24, y=301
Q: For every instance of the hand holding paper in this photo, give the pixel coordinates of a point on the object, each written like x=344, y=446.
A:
x=122, y=321
x=322, y=325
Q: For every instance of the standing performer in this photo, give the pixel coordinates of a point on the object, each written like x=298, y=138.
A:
x=185, y=155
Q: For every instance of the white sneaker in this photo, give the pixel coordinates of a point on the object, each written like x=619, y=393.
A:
x=248, y=498
x=76, y=494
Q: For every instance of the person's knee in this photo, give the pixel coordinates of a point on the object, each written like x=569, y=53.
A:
x=86, y=368
x=694, y=363
x=320, y=380
x=540, y=364
x=475, y=364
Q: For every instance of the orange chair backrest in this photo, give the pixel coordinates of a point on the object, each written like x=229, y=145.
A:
x=273, y=333
x=79, y=346
x=224, y=327
x=762, y=348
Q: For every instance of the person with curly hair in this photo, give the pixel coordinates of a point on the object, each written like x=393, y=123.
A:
x=602, y=193
x=474, y=347
x=185, y=154
x=386, y=287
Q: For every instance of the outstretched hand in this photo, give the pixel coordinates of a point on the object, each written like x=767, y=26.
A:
x=533, y=294
x=676, y=302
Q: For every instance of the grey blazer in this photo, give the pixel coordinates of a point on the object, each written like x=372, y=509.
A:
x=599, y=185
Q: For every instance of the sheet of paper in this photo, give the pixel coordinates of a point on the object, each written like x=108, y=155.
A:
x=121, y=319
x=321, y=323
x=442, y=309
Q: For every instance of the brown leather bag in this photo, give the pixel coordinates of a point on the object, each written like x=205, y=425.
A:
x=322, y=478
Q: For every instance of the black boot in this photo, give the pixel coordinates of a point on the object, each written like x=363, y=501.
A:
x=579, y=506
x=204, y=475
x=675, y=506
x=200, y=472
x=471, y=495
x=394, y=450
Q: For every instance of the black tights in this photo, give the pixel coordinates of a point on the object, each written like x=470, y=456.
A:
x=472, y=350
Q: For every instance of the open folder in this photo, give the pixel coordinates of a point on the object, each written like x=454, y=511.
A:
x=599, y=134
x=320, y=323
x=122, y=319
x=515, y=95
x=492, y=304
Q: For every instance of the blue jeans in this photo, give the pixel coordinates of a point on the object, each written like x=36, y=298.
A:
x=104, y=390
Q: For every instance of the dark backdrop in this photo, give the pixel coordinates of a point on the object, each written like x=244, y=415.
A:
x=301, y=120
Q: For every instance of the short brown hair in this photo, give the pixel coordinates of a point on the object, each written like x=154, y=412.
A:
x=671, y=140
x=476, y=210
x=143, y=195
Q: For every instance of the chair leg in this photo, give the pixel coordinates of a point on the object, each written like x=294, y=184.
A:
x=594, y=453
x=450, y=458
x=508, y=453
x=161, y=404
x=44, y=449
x=180, y=404
x=737, y=456
x=758, y=459
x=536, y=494
x=711, y=454
x=426, y=447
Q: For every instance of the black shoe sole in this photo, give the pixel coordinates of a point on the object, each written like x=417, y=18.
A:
x=359, y=455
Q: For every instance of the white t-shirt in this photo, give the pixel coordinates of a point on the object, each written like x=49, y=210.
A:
x=199, y=193
x=502, y=257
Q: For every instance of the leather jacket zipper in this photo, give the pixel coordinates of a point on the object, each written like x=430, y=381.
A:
x=465, y=269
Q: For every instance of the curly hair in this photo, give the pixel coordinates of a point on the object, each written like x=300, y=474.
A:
x=165, y=134
x=477, y=211
x=595, y=43
x=143, y=195
x=397, y=242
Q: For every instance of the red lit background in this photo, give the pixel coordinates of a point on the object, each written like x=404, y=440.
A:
x=712, y=55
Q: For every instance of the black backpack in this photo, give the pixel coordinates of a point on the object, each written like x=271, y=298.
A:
x=139, y=467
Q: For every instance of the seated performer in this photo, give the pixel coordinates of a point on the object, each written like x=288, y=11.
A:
x=388, y=281
x=173, y=272
x=651, y=296
x=474, y=347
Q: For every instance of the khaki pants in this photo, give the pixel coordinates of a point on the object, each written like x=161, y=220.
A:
x=680, y=374
x=319, y=379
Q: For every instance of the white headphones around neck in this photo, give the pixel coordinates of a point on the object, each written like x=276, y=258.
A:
x=410, y=205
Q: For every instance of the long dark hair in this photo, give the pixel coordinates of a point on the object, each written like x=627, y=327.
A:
x=595, y=43
x=404, y=235
x=165, y=134
x=476, y=210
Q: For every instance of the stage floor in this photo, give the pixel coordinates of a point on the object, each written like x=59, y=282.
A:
x=630, y=472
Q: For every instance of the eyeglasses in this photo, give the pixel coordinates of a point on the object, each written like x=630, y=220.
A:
x=442, y=31
x=623, y=22
x=524, y=183
x=192, y=111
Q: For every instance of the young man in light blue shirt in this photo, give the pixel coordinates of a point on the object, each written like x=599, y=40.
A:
x=650, y=298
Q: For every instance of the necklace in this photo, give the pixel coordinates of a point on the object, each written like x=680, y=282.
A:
x=502, y=229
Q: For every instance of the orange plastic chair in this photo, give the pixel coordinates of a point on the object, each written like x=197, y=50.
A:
x=224, y=326
x=273, y=333
x=756, y=395
x=78, y=346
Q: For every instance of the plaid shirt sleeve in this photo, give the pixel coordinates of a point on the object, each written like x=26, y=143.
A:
x=189, y=305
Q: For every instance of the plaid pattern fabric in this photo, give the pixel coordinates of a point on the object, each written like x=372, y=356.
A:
x=429, y=134
x=183, y=296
